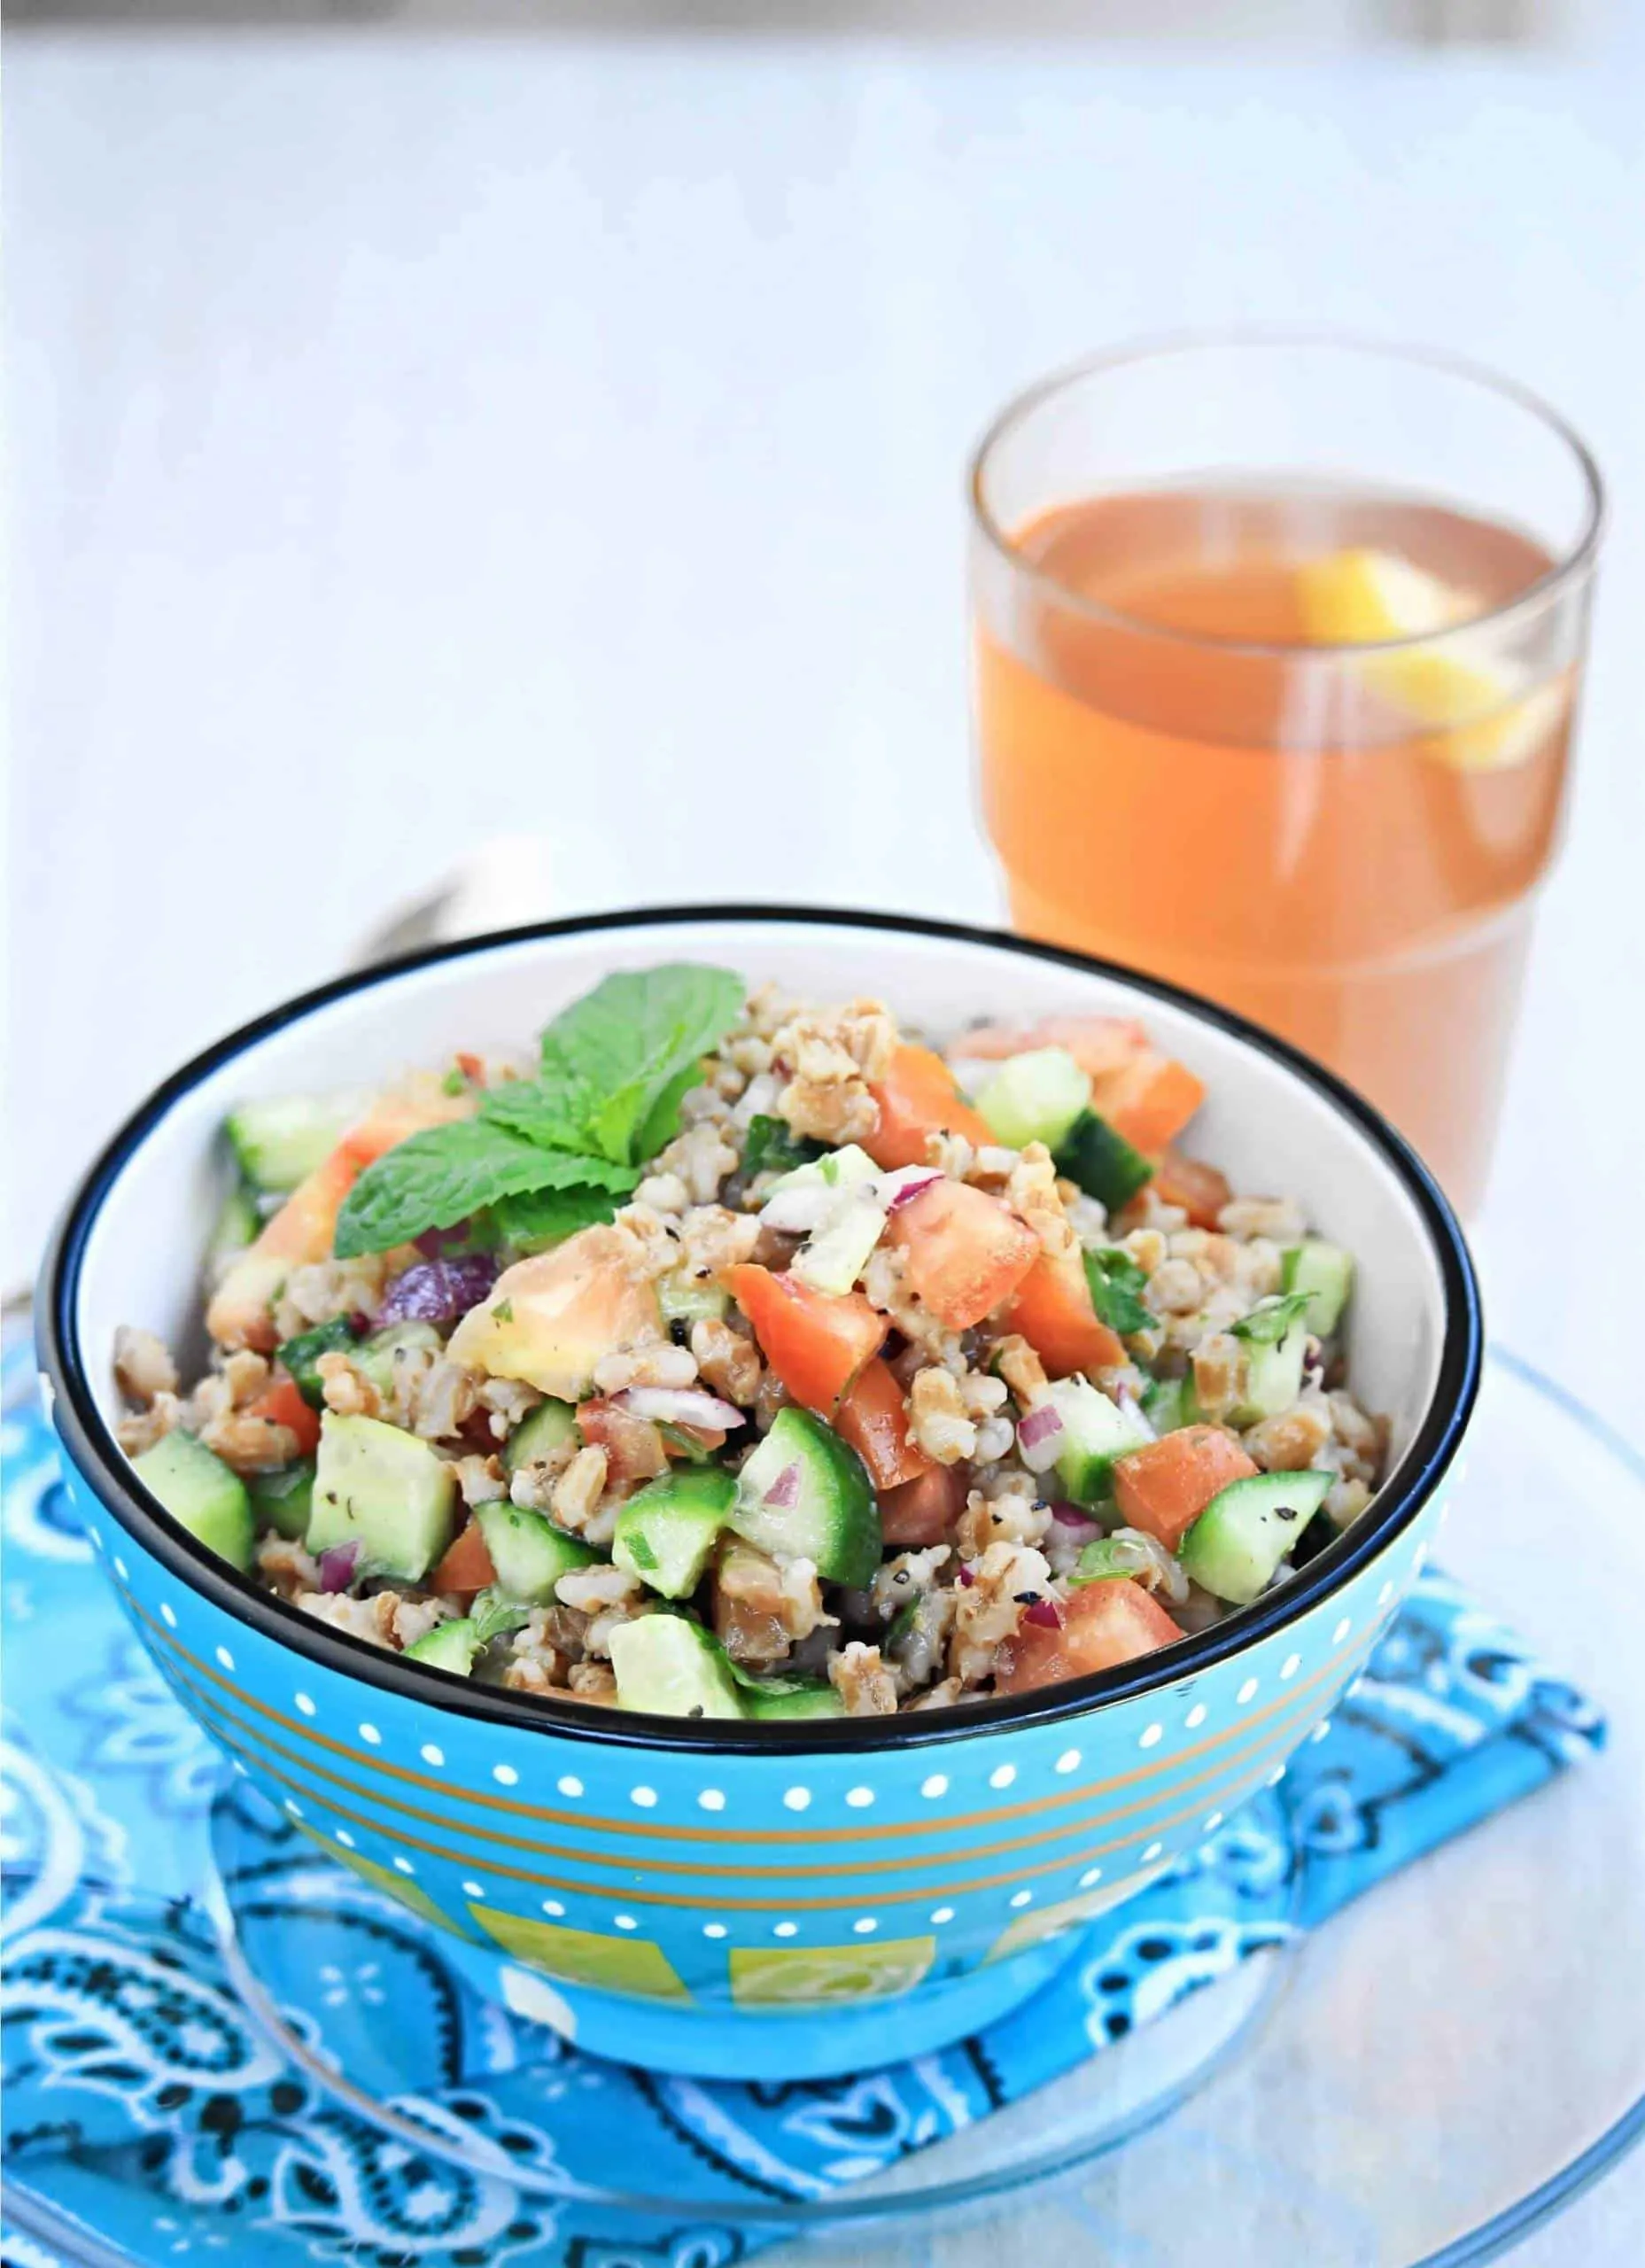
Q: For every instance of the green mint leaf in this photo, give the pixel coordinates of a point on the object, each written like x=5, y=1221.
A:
x=536, y=1220
x=436, y=1179
x=622, y=1054
x=1270, y=1319
x=553, y=1113
x=770, y=1145
x=1115, y=1280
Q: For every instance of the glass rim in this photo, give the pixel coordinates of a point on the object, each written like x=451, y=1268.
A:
x=1576, y=558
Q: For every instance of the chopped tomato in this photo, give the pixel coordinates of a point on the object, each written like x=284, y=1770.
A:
x=922, y=1512
x=282, y=1405
x=966, y=1252
x=1149, y=1100
x=1200, y=1189
x=471, y=1067
x=874, y=1419
x=467, y=1566
x=918, y=1098
x=1098, y=1043
x=1102, y=1624
x=1163, y=1489
x=303, y=1228
x=634, y=1447
x=1052, y=1309
x=816, y=1341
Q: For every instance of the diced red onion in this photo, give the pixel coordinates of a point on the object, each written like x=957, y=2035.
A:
x=965, y=1579
x=680, y=1405
x=1045, y=1613
x=337, y=1566
x=439, y=1291
x=784, y=1493
x=1078, y=1522
x=1039, y=1437
x=435, y=1244
x=896, y=1189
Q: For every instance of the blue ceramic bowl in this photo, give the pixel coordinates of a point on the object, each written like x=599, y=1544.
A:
x=757, y=1900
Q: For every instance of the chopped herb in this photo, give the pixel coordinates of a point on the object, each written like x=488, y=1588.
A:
x=1270, y=1319
x=503, y=1312
x=1117, y=1284
x=453, y=1083
x=770, y=1145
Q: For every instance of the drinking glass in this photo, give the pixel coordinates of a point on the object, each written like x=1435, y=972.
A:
x=1277, y=645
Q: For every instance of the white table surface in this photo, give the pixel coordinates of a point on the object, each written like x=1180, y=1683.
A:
x=413, y=441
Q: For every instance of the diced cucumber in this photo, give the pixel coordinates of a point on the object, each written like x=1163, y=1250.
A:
x=1102, y=1161
x=1165, y=1404
x=283, y=1500
x=551, y=1426
x=236, y=1224
x=1275, y=1338
x=375, y=1357
x=671, y=1667
x=837, y=1253
x=529, y=1553
x=449, y=1645
x=1325, y=1272
x=1236, y=1545
x=683, y=1300
x=1036, y=1098
x=1095, y=1430
x=812, y=1696
x=804, y=1495
x=202, y=1494
x=386, y=1490
x=666, y=1531
x=280, y=1143
x=301, y=1356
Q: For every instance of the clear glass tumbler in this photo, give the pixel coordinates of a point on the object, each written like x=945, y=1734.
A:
x=1278, y=651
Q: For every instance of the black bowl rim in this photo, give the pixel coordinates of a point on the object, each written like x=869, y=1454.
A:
x=103, y=1466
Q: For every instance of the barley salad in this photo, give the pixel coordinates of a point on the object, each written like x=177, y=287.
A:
x=734, y=1357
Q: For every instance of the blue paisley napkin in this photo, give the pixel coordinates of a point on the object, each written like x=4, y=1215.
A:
x=147, y=2111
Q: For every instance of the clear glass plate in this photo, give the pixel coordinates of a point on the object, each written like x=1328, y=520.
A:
x=1444, y=2064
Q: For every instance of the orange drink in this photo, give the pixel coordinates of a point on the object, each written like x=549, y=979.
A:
x=1294, y=736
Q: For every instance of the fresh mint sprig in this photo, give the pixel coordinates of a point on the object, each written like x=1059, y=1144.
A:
x=548, y=1155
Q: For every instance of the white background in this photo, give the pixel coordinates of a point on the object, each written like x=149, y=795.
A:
x=416, y=441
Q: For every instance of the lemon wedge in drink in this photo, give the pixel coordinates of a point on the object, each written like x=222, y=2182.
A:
x=1476, y=708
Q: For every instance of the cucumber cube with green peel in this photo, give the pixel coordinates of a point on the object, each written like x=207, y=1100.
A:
x=529, y=1553
x=1102, y=1161
x=551, y=1426
x=202, y=1494
x=284, y=1500
x=449, y=1646
x=1325, y=1272
x=666, y=1533
x=804, y=1494
x=671, y=1667
x=1235, y=1547
x=386, y=1490
x=795, y=1699
x=281, y=1142
x=1095, y=1431
x=1036, y=1096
